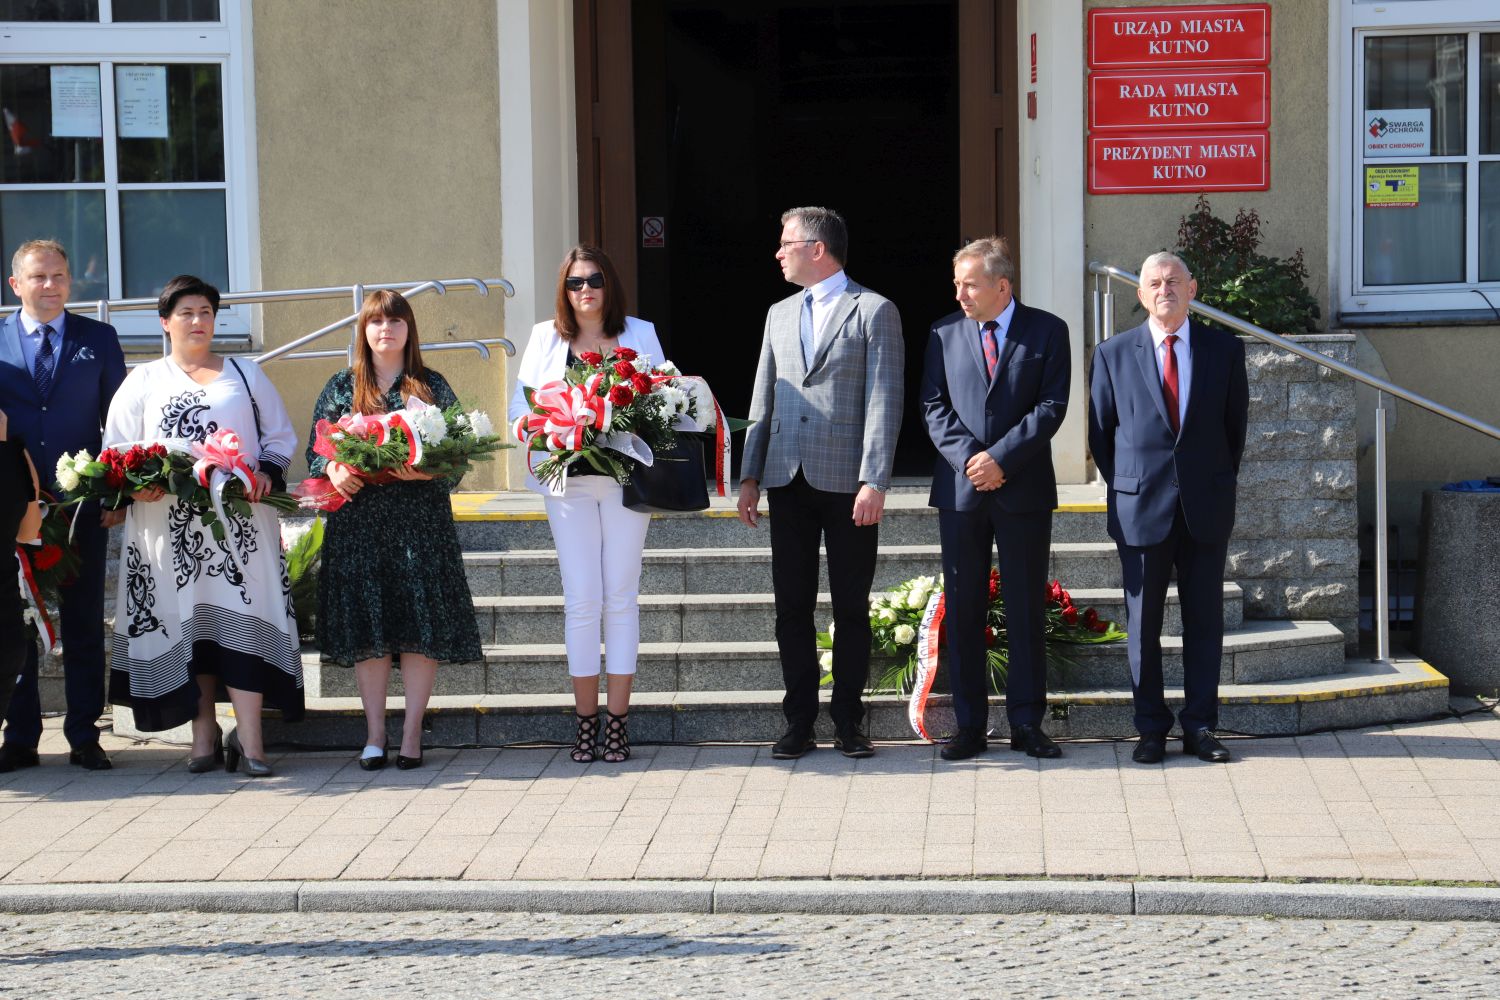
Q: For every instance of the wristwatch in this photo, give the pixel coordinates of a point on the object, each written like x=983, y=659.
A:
x=878, y=489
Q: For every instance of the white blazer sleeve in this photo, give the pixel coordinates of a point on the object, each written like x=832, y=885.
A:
x=535, y=366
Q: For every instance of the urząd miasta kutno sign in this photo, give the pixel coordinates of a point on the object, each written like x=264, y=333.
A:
x=1162, y=37
x=1179, y=99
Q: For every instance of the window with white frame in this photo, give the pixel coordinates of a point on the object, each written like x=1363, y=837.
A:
x=125, y=138
x=1421, y=140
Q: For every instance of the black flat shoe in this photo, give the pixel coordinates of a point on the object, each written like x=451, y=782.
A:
x=1206, y=747
x=965, y=743
x=17, y=758
x=1032, y=740
x=1151, y=748
x=795, y=742
x=374, y=763
x=404, y=763
x=90, y=758
x=210, y=761
x=849, y=741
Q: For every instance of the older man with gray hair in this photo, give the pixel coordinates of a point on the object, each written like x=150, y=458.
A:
x=1169, y=402
x=994, y=391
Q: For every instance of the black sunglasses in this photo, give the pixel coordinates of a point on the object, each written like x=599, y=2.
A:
x=575, y=284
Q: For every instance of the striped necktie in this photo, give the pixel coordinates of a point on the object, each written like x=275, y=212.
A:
x=991, y=347
x=46, y=363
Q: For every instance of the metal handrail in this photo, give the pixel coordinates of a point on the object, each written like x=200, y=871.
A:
x=409, y=289
x=1104, y=320
x=104, y=307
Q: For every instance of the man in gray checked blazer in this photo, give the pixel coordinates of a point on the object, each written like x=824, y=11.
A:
x=826, y=412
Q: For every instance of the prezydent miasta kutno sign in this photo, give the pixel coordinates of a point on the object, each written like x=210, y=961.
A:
x=1232, y=161
x=1161, y=37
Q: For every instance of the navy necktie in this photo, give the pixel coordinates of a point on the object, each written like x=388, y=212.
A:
x=46, y=363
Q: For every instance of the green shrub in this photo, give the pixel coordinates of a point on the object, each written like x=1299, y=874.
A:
x=1234, y=276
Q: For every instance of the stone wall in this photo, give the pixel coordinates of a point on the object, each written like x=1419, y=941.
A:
x=1295, y=549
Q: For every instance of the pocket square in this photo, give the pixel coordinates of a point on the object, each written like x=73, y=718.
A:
x=84, y=354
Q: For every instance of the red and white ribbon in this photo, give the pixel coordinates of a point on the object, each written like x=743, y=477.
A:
x=33, y=595
x=220, y=459
x=927, y=663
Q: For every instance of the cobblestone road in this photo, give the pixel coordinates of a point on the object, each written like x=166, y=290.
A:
x=334, y=956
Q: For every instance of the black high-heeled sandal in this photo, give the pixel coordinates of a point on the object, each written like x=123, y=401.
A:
x=586, y=747
x=616, y=738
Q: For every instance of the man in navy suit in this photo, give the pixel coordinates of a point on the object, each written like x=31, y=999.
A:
x=994, y=391
x=58, y=372
x=1169, y=403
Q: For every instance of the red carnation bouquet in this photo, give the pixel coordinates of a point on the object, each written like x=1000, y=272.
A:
x=212, y=476
x=610, y=411
x=46, y=566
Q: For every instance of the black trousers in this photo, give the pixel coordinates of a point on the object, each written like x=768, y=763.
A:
x=1146, y=571
x=800, y=517
x=1022, y=543
x=82, y=614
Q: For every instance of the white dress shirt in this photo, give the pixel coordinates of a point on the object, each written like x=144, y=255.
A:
x=1183, y=349
x=1002, y=323
x=31, y=338
x=824, y=294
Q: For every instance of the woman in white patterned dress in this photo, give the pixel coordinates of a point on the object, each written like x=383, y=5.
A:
x=187, y=616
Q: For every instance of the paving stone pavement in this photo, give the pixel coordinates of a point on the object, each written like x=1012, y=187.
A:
x=1416, y=802
x=439, y=955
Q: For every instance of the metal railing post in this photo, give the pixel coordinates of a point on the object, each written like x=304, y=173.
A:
x=1381, y=613
x=1109, y=310
x=359, y=303
x=1098, y=300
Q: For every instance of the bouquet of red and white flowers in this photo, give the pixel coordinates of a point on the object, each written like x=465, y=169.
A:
x=615, y=411
x=442, y=443
x=212, y=476
x=45, y=566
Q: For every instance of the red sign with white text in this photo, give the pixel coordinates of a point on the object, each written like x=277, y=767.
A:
x=1154, y=164
x=1199, y=98
x=1227, y=34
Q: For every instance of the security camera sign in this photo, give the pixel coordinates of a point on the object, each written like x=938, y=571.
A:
x=1400, y=132
x=1391, y=187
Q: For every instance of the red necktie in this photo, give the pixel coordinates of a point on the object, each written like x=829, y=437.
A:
x=991, y=347
x=1169, y=384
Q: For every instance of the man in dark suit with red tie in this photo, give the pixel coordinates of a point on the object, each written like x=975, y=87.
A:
x=58, y=372
x=994, y=391
x=1169, y=402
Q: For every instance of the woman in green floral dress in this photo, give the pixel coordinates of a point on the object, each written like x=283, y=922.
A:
x=392, y=581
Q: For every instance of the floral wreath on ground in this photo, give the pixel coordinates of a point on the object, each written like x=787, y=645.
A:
x=897, y=619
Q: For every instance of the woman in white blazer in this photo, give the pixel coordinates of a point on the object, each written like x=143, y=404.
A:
x=599, y=540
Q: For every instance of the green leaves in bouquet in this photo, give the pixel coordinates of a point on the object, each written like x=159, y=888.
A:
x=304, y=561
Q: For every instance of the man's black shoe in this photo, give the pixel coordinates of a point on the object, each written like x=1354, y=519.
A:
x=15, y=758
x=1151, y=748
x=1035, y=742
x=90, y=758
x=793, y=744
x=850, y=742
x=1205, y=746
x=965, y=743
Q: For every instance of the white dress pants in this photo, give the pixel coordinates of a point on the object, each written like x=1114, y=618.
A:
x=599, y=542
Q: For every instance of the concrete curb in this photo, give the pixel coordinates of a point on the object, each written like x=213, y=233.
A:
x=1325, y=901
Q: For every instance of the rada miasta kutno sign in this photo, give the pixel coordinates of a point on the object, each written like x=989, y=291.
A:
x=1179, y=99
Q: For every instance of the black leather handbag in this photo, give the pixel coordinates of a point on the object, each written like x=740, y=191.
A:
x=675, y=480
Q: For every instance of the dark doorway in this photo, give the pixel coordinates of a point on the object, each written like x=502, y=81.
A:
x=743, y=110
